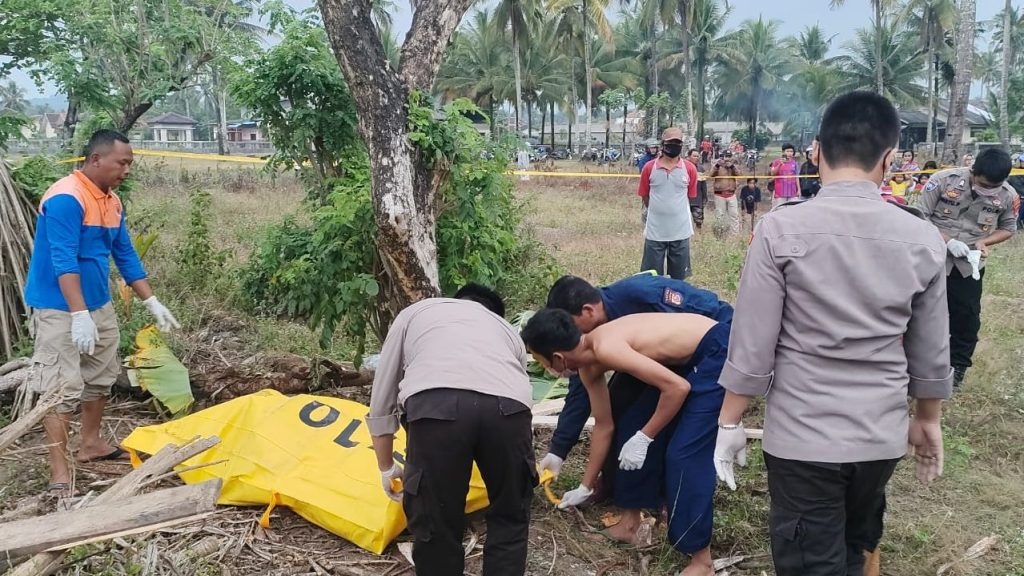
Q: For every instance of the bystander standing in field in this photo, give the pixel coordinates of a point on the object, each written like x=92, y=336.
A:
x=809, y=184
x=750, y=197
x=81, y=226
x=725, y=176
x=785, y=170
x=698, y=202
x=974, y=210
x=665, y=186
x=841, y=328
x=454, y=371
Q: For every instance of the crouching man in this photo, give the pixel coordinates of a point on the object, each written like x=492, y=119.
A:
x=666, y=439
x=454, y=371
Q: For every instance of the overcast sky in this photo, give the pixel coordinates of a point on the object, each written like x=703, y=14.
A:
x=794, y=16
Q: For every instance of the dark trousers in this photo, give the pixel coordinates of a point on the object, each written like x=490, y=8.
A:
x=824, y=516
x=623, y=391
x=447, y=431
x=676, y=253
x=963, y=296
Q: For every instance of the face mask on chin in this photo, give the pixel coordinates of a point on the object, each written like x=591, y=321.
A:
x=986, y=192
x=672, y=149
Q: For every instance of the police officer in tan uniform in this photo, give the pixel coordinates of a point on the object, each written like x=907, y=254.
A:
x=973, y=209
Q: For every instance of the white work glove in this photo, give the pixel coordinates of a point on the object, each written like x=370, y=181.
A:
x=83, y=332
x=730, y=448
x=163, y=317
x=575, y=497
x=974, y=257
x=390, y=475
x=957, y=248
x=634, y=451
x=551, y=462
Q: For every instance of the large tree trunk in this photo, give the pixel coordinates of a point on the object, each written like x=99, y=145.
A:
x=130, y=116
x=404, y=187
x=70, y=121
x=684, y=22
x=701, y=96
x=1004, y=80
x=519, y=76
x=962, y=79
x=879, y=77
x=590, y=82
x=930, y=134
x=220, y=105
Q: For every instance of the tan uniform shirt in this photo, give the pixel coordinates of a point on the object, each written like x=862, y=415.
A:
x=961, y=213
x=446, y=343
x=841, y=313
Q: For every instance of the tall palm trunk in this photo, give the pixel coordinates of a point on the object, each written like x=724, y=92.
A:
x=962, y=78
x=573, y=118
x=543, y=122
x=493, y=124
x=529, y=120
x=519, y=75
x=552, y=105
x=1004, y=81
x=932, y=84
x=589, y=73
x=684, y=21
x=654, y=90
x=607, y=125
x=625, y=112
x=701, y=103
x=879, y=76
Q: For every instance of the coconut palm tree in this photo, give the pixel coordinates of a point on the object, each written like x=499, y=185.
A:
x=879, y=9
x=987, y=67
x=519, y=16
x=749, y=68
x=12, y=97
x=543, y=73
x=477, y=66
x=640, y=34
x=576, y=21
x=934, y=19
x=813, y=84
x=707, y=24
x=961, y=77
x=901, y=64
x=1009, y=38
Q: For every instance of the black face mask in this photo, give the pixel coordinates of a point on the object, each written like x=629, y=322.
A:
x=672, y=149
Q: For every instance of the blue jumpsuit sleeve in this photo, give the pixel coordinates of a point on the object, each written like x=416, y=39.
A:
x=125, y=256
x=572, y=419
x=63, y=216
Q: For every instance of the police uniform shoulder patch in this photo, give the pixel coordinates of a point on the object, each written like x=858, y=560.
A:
x=931, y=185
x=672, y=297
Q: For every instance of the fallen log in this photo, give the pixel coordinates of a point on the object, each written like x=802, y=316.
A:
x=10, y=433
x=63, y=530
x=16, y=364
x=12, y=380
x=46, y=563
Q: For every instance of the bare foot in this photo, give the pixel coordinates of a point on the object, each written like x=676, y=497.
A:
x=100, y=451
x=624, y=531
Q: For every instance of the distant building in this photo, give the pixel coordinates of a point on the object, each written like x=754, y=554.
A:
x=245, y=131
x=44, y=126
x=171, y=127
x=915, y=124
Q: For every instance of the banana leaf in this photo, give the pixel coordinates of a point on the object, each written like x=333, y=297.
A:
x=545, y=386
x=155, y=369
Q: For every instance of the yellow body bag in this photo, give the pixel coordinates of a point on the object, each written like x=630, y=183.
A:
x=312, y=454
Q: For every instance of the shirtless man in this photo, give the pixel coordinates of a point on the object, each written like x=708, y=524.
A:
x=673, y=422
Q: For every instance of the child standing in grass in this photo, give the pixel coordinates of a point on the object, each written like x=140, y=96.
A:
x=750, y=196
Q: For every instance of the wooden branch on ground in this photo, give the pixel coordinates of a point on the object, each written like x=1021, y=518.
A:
x=14, y=379
x=13, y=365
x=547, y=421
x=46, y=563
x=548, y=407
x=10, y=433
x=63, y=530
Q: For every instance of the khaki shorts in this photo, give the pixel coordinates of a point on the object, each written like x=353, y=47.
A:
x=57, y=362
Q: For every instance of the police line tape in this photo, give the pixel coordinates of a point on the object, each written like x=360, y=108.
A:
x=250, y=160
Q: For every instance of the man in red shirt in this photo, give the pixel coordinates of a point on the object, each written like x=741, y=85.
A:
x=666, y=185
x=705, y=150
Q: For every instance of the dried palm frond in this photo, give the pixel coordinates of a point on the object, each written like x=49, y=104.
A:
x=17, y=223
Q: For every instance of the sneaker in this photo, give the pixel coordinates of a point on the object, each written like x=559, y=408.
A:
x=958, y=376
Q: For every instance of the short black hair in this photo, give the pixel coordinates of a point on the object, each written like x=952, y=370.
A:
x=571, y=293
x=749, y=180
x=858, y=129
x=788, y=146
x=549, y=331
x=691, y=151
x=931, y=165
x=912, y=155
x=482, y=295
x=102, y=139
x=993, y=164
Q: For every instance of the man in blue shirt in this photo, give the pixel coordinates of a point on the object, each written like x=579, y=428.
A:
x=81, y=226
x=591, y=307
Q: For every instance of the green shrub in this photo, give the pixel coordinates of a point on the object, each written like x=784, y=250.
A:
x=197, y=259
x=35, y=174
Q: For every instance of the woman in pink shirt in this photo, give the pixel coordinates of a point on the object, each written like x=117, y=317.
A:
x=786, y=189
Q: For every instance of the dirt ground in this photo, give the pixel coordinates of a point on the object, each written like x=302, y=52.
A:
x=592, y=226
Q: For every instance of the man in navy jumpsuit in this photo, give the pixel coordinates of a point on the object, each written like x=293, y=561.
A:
x=591, y=307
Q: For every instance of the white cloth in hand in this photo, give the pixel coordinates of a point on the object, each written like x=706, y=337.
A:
x=387, y=477
x=730, y=448
x=634, y=451
x=575, y=497
x=551, y=462
x=163, y=317
x=974, y=257
x=957, y=248
x=83, y=332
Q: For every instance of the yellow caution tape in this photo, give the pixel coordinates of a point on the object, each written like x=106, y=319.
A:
x=186, y=155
